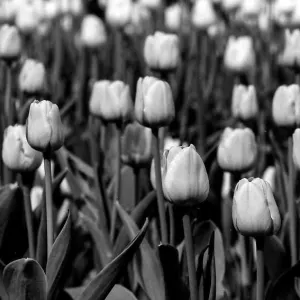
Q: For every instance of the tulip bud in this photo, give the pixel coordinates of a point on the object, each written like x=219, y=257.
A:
x=244, y=102
x=36, y=196
x=17, y=155
x=111, y=101
x=118, y=12
x=93, y=33
x=137, y=145
x=295, y=20
x=7, y=11
x=286, y=105
x=151, y=4
x=254, y=211
x=185, y=180
x=10, y=43
x=44, y=129
x=269, y=176
x=283, y=11
x=237, y=151
x=230, y=5
x=154, y=106
x=177, y=18
x=239, y=54
x=27, y=18
x=203, y=14
x=32, y=78
x=161, y=51
x=251, y=9
x=296, y=148
x=51, y=9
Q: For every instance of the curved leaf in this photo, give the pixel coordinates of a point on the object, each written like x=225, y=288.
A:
x=119, y=292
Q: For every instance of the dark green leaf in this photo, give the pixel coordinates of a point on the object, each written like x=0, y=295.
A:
x=120, y=293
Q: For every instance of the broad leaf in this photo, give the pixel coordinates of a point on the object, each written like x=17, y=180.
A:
x=119, y=292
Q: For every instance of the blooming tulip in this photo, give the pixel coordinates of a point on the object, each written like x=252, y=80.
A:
x=154, y=106
x=283, y=11
x=296, y=148
x=111, y=101
x=184, y=176
x=151, y=4
x=161, y=51
x=17, y=155
x=254, y=211
x=118, y=12
x=286, y=105
x=10, y=43
x=32, y=78
x=239, y=54
x=230, y=5
x=237, y=151
x=44, y=129
x=93, y=33
x=136, y=145
x=177, y=17
x=203, y=14
x=8, y=10
x=244, y=102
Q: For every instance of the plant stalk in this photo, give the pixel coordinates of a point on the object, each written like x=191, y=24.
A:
x=136, y=171
x=260, y=269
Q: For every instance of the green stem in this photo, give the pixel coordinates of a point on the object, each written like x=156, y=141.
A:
x=119, y=59
x=8, y=99
x=260, y=269
x=189, y=247
x=49, y=204
x=172, y=224
x=159, y=190
x=136, y=171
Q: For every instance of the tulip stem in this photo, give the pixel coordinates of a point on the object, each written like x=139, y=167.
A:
x=189, y=247
x=159, y=190
x=49, y=205
x=172, y=224
x=136, y=171
x=119, y=58
x=260, y=268
x=8, y=100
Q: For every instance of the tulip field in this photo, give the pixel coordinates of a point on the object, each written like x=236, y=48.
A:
x=150, y=149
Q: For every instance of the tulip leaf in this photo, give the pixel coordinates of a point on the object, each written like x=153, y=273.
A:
x=75, y=292
x=101, y=285
x=119, y=292
x=24, y=279
x=150, y=273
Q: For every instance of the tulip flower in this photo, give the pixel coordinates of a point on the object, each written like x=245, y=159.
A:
x=177, y=17
x=44, y=129
x=296, y=148
x=154, y=106
x=295, y=20
x=10, y=43
x=151, y=4
x=244, y=102
x=32, y=78
x=286, y=105
x=239, y=54
x=203, y=14
x=161, y=51
x=254, y=211
x=7, y=11
x=111, y=101
x=93, y=33
x=28, y=17
x=237, y=151
x=230, y=5
x=17, y=154
x=137, y=145
x=118, y=12
x=283, y=11
x=270, y=176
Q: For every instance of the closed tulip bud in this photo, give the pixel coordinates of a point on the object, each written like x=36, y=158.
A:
x=203, y=14
x=27, y=18
x=251, y=8
x=51, y=9
x=295, y=20
x=185, y=180
x=244, y=102
x=270, y=176
x=177, y=17
x=154, y=106
x=237, y=151
x=161, y=51
x=283, y=11
x=17, y=154
x=7, y=11
x=137, y=145
x=93, y=33
x=44, y=129
x=111, y=101
x=254, y=210
x=239, y=54
x=230, y=5
x=32, y=78
x=10, y=43
x=296, y=148
x=118, y=12
x=151, y=4
x=286, y=105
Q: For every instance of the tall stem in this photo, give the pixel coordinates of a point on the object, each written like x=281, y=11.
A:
x=260, y=269
x=159, y=190
x=172, y=224
x=8, y=99
x=136, y=171
x=189, y=247
x=49, y=205
x=119, y=59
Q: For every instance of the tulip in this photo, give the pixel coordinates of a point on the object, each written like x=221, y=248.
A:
x=264, y=19
x=239, y=54
x=32, y=78
x=7, y=10
x=184, y=176
x=44, y=129
x=151, y=4
x=237, y=151
x=286, y=105
x=217, y=29
x=118, y=12
x=251, y=8
x=296, y=148
x=74, y=7
x=93, y=33
x=230, y=5
x=177, y=17
x=17, y=154
x=161, y=51
x=270, y=176
x=137, y=145
x=10, y=43
x=51, y=9
x=36, y=196
x=254, y=210
x=244, y=102
x=295, y=20
x=111, y=101
x=154, y=106
x=203, y=14
x=283, y=11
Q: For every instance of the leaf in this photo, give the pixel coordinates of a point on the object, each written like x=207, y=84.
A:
x=58, y=258
x=24, y=279
x=75, y=292
x=147, y=262
x=102, y=284
x=119, y=292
